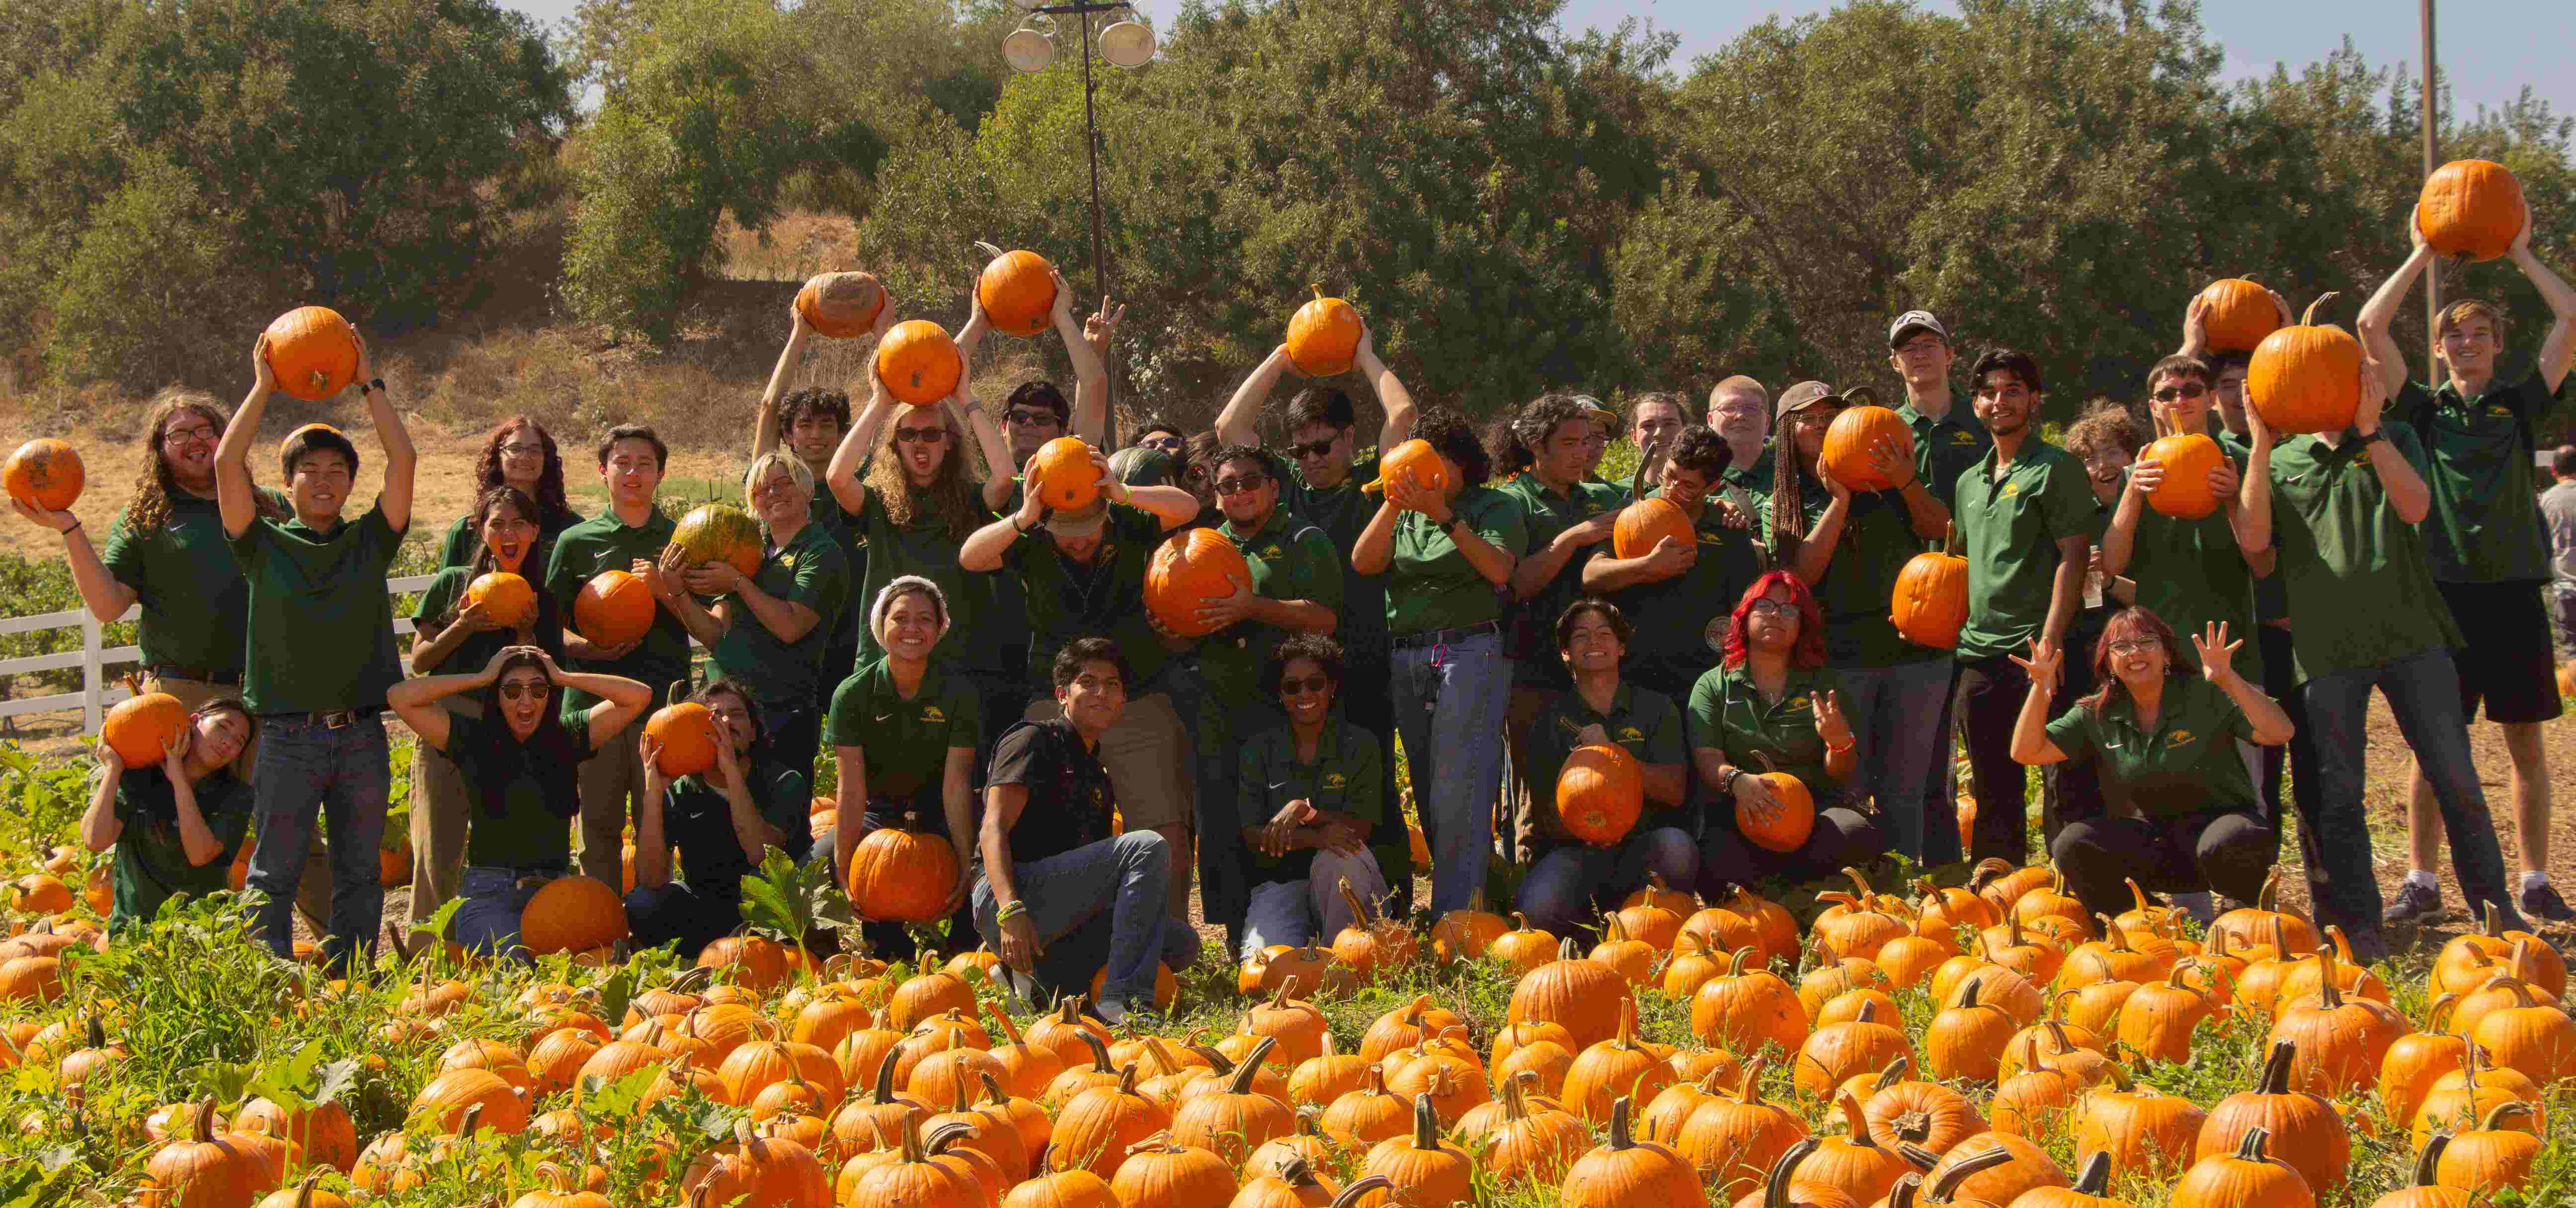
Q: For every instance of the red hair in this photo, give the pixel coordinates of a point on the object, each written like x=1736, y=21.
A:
x=1809, y=652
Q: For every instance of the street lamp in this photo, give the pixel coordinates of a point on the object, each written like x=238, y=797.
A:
x=1125, y=43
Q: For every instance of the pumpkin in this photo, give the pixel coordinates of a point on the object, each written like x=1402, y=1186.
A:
x=841, y=305
x=1063, y=1189
x=313, y=352
x=2187, y=458
x=1062, y=475
x=1232, y=1122
x=1324, y=335
x=2415, y=1061
x=613, y=608
x=2265, y=922
x=1734, y=1140
x=1421, y=1170
x=44, y=473
x=505, y=597
x=1523, y=949
x=1791, y=822
x=2339, y=1040
x=907, y=1175
x=1415, y=461
x=1966, y=1041
x=1855, y=1164
x=2494, y=1156
x=572, y=914
x=1747, y=1009
x=1612, y=1070
x=2470, y=208
x=1586, y=997
x=919, y=363
x=1063, y=1032
x=1849, y=442
x=322, y=1135
x=2312, y=1136
x=307, y=1194
x=2536, y=1040
x=1599, y=793
x=2423, y=1189
x=1190, y=568
x=2137, y=1128
x=2242, y=1176
x=442, y=1103
x=1690, y=968
x=1782, y=1188
x=138, y=729
x=201, y=1170
x=1931, y=600
x=2241, y=313
x=1466, y=934
x=2157, y=1020
x=1901, y=1111
x=1624, y=1172
x=1291, y=1182
x=39, y=893
x=903, y=875
x=1839, y=1051
x=1017, y=291
x=720, y=532
x=687, y=734
x=1297, y=1026
x=756, y=961
x=1645, y=524
x=1272, y=967
x=2306, y=378
x=2024, y=1166
x=1095, y=1129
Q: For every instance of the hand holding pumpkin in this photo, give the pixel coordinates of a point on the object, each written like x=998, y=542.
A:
x=1592, y=736
x=2195, y=322
x=1223, y=611
x=2222, y=480
x=716, y=578
x=1405, y=493
x=263, y=375
x=2217, y=654
x=60, y=522
x=477, y=619
x=1754, y=800
x=2521, y=249
x=1672, y=556
x=174, y=754
x=655, y=779
x=1893, y=462
x=2145, y=475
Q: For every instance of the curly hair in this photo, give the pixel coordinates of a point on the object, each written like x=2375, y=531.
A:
x=1512, y=439
x=1324, y=651
x=550, y=483
x=1809, y=653
x=813, y=400
x=2124, y=625
x=1699, y=449
x=484, y=562
x=2104, y=424
x=951, y=496
x=149, y=507
x=1451, y=436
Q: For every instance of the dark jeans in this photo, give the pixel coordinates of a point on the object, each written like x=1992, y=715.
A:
x=795, y=731
x=889, y=940
x=1941, y=790
x=675, y=913
x=305, y=769
x=2299, y=755
x=2423, y=691
x=2228, y=851
x=1989, y=700
x=489, y=903
x=1843, y=836
x=1569, y=885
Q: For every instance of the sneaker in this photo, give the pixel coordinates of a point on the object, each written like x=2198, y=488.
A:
x=2542, y=902
x=2199, y=904
x=1111, y=1011
x=2367, y=946
x=2415, y=903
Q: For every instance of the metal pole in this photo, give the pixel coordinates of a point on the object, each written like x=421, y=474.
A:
x=1099, y=247
x=2432, y=161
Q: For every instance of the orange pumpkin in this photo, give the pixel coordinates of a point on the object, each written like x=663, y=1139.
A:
x=313, y=352
x=687, y=733
x=1931, y=600
x=2241, y=313
x=2306, y=378
x=2187, y=457
x=720, y=532
x=1845, y=456
x=902, y=875
x=1416, y=461
x=505, y=597
x=841, y=305
x=1323, y=336
x=919, y=363
x=140, y=727
x=1599, y=793
x=1018, y=293
x=1190, y=568
x=614, y=608
x=572, y=914
x=1791, y=823
x=1644, y=524
x=45, y=473
x=1062, y=474
x=2471, y=208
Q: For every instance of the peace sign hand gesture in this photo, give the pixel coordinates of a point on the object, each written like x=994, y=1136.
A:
x=1831, y=725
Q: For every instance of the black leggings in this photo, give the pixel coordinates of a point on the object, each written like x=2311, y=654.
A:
x=1843, y=836
x=2227, y=851
x=1988, y=700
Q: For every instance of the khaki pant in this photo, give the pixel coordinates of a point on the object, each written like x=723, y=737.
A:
x=612, y=781
x=438, y=824
x=313, y=893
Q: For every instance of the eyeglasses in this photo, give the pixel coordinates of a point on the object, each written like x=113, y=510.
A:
x=1771, y=608
x=1313, y=448
x=523, y=450
x=1025, y=418
x=1168, y=444
x=2186, y=390
x=523, y=691
x=2135, y=645
x=1243, y=485
x=183, y=435
x=1300, y=687
x=926, y=436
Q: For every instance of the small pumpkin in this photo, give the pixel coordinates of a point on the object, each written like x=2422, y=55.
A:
x=313, y=352
x=1647, y=523
x=572, y=914
x=2241, y=312
x=2187, y=458
x=1421, y=1170
x=2494, y=1156
x=1793, y=816
x=902, y=874
x=2245, y=1175
x=613, y=608
x=45, y=473
x=1600, y=793
x=2312, y=1136
x=1017, y=291
x=139, y=728
x=1623, y=1172
x=1849, y=442
x=919, y=363
x=1930, y=604
x=1190, y=568
x=1415, y=461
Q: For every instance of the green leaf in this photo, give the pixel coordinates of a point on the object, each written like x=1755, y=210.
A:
x=618, y=991
x=337, y=1077
x=234, y=1081
x=605, y=1100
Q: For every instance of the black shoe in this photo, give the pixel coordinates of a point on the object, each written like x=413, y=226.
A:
x=2542, y=902
x=2367, y=946
x=2415, y=903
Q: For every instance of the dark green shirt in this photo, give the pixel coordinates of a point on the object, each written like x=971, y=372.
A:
x=2485, y=526
x=2011, y=529
x=1104, y=597
x=2271, y=595
x=2191, y=572
x=601, y=543
x=924, y=548
x=1545, y=515
x=2357, y=577
x=1756, y=478
x=1290, y=560
x=321, y=623
x=1680, y=622
x=2186, y=764
x=464, y=540
x=1430, y=585
x=527, y=833
x=196, y=603
x=807, y=570
x=1344, y=779
x=151, y=862
x=1945, y=448
x=445, y=596
x=905, y=742
x=825, y=510
x=1342, y=512
x=1640, y=721
x=1859, y=588
x=697, y=819
x=1728, y=715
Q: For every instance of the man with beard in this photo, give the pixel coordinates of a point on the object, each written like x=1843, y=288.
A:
x=2025, y=515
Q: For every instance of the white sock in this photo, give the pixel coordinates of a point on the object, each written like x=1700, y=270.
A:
x=2534, y=880
x=2417, y=876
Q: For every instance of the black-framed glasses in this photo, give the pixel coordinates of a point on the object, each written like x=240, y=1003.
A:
x=1300, y=687
x=183, y=435
x=1027, y=417
x=1772, y=608
x=1313, y=448
x=2185, y=390
x=1242, y=485
x=927, y=436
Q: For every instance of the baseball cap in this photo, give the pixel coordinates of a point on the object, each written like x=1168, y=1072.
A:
x=1808, y=394
x=1914, y=320
x=1080, y=522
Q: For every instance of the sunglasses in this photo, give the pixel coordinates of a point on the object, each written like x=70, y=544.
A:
x=1032, y=419
x=927, y=436
x=1300, y=687
x=2186, y=390
x=523, y=691
x=1168, y=444
x=1313, y=448
x=1244, y=485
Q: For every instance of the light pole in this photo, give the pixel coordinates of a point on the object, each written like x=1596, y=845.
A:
x=2432, y=161
x=1126, y=43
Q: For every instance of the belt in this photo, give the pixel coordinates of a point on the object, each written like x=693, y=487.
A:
x=328, y=719
x=1443, y=637
x=201, y=675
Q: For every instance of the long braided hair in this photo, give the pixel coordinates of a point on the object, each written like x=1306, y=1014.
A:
x=1788, y=500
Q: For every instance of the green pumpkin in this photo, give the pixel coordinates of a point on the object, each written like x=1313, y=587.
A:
x=720, y=532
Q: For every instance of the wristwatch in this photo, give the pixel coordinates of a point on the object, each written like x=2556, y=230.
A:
x=2375, y=434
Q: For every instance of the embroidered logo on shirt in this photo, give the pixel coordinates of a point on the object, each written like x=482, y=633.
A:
x=1272, y=551
x=2011, y=489
x=1335, y=780
x=787, y=560
x=1962, y=438
x=932, y=713
x=1631, y=734
x=2179, y=737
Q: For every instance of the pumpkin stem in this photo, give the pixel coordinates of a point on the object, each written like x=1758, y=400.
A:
x=1566, y=951
x=1750, y=1089
x=304, y=1190
x=2441, y=1006
x=993, y=1092
x=885, y=1072
x=1127, y=1079
x=2095, y=1178
x=1977, y=1163
x=1736, y=960
x=1426, y=1123
x=1250, y=1067
x=2329, y=988
x=2429, y=1162
x=1099, y=1054
x=1775, y=1192
x=2496, y=1115
x=1359, y=910
x=1002, y=1021
x=1902, y=1195
x=2251, y=1148
x=202, y=1129
x=1893, y=1074
x=1859, y=880
x=2276, y=1068
x=1619, y=1138
x=1350, y=1195
x=1859, y=1124
x=1279, y=1001
x=2310, y=319
x=1968, y=993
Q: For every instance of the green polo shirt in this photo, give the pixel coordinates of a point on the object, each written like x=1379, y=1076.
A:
x=2191, y=572
x=443, y=596
x=825, y=510
x=2485, y=526
x=2357, y=576
x=904, y=741
x=321, y=633
x=1755, y=478
x=1104, y=597
x=2271, y=595
x=1290, y=559
x=921, y=547
x=464, y=540
x=2011, y=529
x=1342, y=512
x=1641, y=721
x=807, y=570
x=526, y=833
x=196, y=603
x=1344, y=779
x=151, y=863
x=1945, y=448
x=1859, y=587
x=698, y=819
x=1545, y=515
x=1430, y=585
x=602, y=543
x=1680, y=622
x=2186, y=764
x=1728, y=715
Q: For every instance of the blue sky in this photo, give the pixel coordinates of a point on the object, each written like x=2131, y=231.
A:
x=2492, y=48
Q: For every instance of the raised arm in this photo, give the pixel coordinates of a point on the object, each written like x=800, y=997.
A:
x=848, y=472
x=764, y=426
x=1375, y=550
x=2030, y=741
x=402, y=460
x=622, y=699
x=2254, y=499
x=1240, y=422
x=984, y=548
x=99, y=823
x=234, y=493
x=652, y=832
x=2407, y=494
x=1090, y=372
x=1391, y=393
x=2381, y=310
x=415, y=700
x=670, y=584
x=2558, y=347
x=751, y=831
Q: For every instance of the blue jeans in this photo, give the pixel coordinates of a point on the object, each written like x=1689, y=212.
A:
x=1894, y=714
x=303, y=769
x=1283, y=912
x=489, y=903
x=1568, y=886
x=1449, y=703
x=2423, y=691
x=1130, y=877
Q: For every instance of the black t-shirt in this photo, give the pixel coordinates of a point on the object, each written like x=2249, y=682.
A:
x=698, y=820
x=1069, y=794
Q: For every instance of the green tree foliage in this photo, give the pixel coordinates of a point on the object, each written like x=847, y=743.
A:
x=171, y=174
